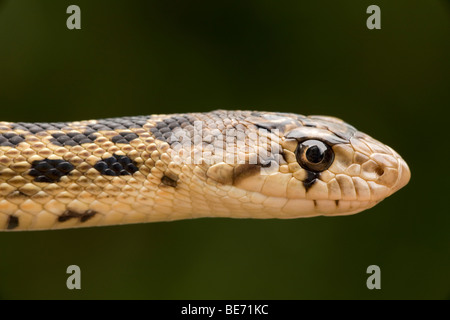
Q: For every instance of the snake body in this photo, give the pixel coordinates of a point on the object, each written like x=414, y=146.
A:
x=239, y=164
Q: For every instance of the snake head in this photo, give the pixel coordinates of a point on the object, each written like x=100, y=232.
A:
x=326, y=167
x=343, y=170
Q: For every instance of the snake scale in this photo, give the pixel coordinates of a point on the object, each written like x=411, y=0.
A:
x=239, y=164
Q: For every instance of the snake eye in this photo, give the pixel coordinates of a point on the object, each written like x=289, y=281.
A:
x=314, y=155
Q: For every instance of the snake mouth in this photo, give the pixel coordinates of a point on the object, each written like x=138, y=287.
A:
x=305, y=208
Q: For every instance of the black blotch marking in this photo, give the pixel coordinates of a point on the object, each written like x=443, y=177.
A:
x=266, y=164
x=81, y=137
x=163, y=129
x=69, y=214
x=74, y=138
x=49, y=171
x=35, y=127
x=168, y=181
x=243, y=171
x=87, y=215
x=119, y=123
x=10, y=139
x=337, y=202
x=13, y=222
x=266, y=126
x=116, y=166
x=124, y=137
x=102, y=124
x=310, y=179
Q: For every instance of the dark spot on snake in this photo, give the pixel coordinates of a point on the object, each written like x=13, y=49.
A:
x=64, y=167
x=49, y=171
x=266, y=126
x=243, y=171
x=13, y=222
x=310, y=179
x=176, y=120
x=168, y=181
x=74, y=138
x=69, y=214
x=116, y=166
x=124, y=137
x=163, y=130
x=119, y=123
x=35, y=127
x=9, y=139
x=265, y=164
x=87, y=215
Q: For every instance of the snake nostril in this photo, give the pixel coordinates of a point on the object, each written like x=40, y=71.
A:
x=379, y=171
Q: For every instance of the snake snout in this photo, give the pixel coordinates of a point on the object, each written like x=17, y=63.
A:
x=384, y=170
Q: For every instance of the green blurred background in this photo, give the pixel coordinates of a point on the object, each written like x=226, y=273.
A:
x=144, y=57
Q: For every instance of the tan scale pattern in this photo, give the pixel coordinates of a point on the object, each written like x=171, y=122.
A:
x=230, y=177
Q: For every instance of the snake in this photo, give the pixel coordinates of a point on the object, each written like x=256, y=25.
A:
x=165, y=167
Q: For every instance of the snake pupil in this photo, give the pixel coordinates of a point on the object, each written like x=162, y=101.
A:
x=314, y=154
